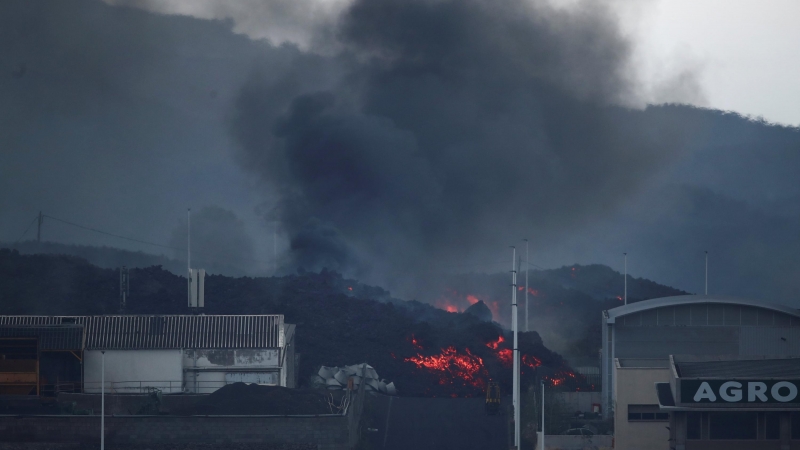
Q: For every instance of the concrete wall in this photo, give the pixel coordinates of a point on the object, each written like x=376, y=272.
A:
x=244, y=358
x=636, y=386
x=326, y=433
x=581, y=401
x=128, y=371
x=560, y=442
x=210, y=369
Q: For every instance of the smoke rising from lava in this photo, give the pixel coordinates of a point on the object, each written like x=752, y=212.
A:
x=445, y=130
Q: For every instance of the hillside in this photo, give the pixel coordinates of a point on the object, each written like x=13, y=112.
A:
x=565, y=303
x=443, y=355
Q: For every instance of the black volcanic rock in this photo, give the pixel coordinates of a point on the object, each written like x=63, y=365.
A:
x=480, y=310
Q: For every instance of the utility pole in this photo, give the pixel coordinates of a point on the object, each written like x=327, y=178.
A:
x=39, y=228
x=124, y=288
x=626, y=278
x=189, y=254
x=527, y=263
x=275, y=249
x=103, y=401
x=515, y=328
x=706, y=272
x=543, y=447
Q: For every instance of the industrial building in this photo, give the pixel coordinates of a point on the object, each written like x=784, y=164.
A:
x=656, y=351
x=171, y=353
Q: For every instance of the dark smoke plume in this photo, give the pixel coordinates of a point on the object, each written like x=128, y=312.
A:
x=451, y=129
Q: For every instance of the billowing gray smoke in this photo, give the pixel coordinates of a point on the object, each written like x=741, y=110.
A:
x=445, y=130
x=399, y=139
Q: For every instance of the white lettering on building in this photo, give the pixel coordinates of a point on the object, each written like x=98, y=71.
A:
x=704, y=392
x=756, y=389
x=776, y=391
x=728, y=394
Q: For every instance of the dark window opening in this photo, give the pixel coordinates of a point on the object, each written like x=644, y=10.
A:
x=646, y=413
x=773, y=425
x=733, y=425
x=796, y=425
x=693, y=425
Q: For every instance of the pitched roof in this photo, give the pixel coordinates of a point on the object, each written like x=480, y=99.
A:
x=742, y=368
x=55, y=337
x=614, y=313
x=168, y=331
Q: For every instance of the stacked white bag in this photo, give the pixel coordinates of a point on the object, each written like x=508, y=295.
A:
x=336, y=378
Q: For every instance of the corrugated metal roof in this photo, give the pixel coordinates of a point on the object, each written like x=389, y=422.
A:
x=56, y=337
x=649, y=363
x=753, y=368
x=168, y=331
x=614, y=313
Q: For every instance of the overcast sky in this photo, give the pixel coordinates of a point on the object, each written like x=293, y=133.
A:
x=744, y=55
x=391, y=138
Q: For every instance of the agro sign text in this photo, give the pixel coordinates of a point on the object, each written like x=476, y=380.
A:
x=740, y=391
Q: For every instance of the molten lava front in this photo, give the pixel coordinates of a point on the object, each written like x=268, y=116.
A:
x=451, y=365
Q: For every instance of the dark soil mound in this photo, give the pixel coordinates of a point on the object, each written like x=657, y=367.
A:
x=481, y=311
x=247, y=399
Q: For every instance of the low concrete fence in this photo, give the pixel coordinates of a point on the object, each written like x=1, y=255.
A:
x=317, y=432
x=563, y=442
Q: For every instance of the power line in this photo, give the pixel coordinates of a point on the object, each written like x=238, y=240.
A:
x=111, y=234
x=27, y=229
x=139, y=240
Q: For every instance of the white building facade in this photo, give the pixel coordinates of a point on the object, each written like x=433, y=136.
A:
x=178, y=353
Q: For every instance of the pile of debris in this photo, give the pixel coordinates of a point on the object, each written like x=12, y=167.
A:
x=254, y=399
x=335, y=378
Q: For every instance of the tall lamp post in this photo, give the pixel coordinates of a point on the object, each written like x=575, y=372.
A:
x=515, y=328
x=103, y=400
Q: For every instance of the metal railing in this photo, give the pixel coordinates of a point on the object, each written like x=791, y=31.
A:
x=144, y=387
x=52, y=390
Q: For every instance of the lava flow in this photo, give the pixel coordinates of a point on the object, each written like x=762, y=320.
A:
x=505, y=355
x=454, y=302
x=451, y=365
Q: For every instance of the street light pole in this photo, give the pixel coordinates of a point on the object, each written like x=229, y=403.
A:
x=626, y=278
x=543, y=447
x=527, y=263
x=515, y=355
x=103, y=401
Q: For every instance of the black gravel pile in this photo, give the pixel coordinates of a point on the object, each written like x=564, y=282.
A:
x=252, y=399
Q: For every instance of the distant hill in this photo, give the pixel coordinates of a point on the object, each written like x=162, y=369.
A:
x=565, y=302
x=112, y=258
x=424, y=350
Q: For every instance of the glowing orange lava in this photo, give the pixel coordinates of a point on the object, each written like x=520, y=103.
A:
x=531, y=361
x=450, y=365
x=506, y=357
x=493, y=345
x=415, y=343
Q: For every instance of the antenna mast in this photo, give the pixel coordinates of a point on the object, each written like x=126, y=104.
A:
x=189, y=254
x=706, y=272
x=527, y=263
x=515, y=328
x=626, y=278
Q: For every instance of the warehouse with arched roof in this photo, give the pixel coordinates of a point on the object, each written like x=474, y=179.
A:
x=642, y=341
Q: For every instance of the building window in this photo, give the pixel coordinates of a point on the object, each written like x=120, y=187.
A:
x=773, y=425
x=646, y=413
x=693, y=424
x=796, y=425
x=733, y=425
